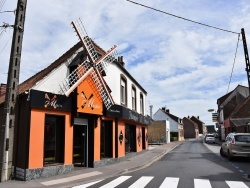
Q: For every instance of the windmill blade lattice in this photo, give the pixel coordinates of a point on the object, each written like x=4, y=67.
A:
x=92, y=67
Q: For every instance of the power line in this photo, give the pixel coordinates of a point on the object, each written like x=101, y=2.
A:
x=183, y=18
x=234, y=62
x=5, y=45
x=8, y=11
x=2, y=4
x=1, y=32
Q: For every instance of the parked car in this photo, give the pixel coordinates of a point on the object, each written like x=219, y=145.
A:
x=209, y=138
x=236, y=145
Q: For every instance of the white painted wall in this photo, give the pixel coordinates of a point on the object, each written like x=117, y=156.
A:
x=167, y=131
x=113, y=79
x=160, y=115
x=51, y=82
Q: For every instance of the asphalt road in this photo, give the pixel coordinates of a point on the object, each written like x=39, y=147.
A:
x=192, y=164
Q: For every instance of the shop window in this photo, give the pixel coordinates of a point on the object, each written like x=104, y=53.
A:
x=123, y=91
x=54, y=134
x=133, y=98
x=141, y=104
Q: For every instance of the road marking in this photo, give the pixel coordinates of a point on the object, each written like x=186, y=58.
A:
x=142, y=182
x=72, y=178
x=236, y=184
x=202, y=183
x=116, y=182
x=87, y=185
x=170, y=182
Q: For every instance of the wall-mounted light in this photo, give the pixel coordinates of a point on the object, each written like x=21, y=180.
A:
x=146, y=137
x=121, y=137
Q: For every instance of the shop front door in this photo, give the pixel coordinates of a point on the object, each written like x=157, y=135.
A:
x=80, y=150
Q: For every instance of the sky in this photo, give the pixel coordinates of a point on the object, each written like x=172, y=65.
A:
x=184, y=67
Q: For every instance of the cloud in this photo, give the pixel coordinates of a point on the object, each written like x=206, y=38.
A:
x=182, y=65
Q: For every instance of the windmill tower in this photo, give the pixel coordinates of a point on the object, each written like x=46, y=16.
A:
x=93, y=66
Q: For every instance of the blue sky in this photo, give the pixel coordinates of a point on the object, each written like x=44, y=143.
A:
x=183, y=66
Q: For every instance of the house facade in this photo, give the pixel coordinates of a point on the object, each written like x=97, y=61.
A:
x=227, y=105
x=175, y=123
x=240, y=117
x=54, y=132
x=201, y=125
x=191, y=129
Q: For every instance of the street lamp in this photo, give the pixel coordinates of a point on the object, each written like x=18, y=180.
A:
x=210, y=110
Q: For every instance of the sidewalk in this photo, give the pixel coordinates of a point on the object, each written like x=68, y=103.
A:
x=74, y=178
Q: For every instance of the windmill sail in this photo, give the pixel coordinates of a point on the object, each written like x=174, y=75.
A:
x=93, y=67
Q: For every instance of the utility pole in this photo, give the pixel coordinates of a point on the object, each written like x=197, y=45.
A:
x=10, y=105
x=246, y=57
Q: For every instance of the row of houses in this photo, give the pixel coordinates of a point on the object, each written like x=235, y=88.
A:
x=167, y=127
x=57, y=129
x=234, y=112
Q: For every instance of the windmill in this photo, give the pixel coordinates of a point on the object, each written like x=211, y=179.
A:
x=93, y=66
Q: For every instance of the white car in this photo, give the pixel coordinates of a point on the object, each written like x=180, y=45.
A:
x=209, y=138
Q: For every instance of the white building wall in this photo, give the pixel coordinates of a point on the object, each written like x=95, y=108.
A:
x=160, y=115
x=113, y=79
x=167, y=131
x=51, y=82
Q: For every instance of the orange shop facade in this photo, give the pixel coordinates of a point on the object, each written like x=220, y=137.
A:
x=55, y=133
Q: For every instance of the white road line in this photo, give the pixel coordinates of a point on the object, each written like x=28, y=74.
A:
x=72, y=178
x=142, y=182
x=87, y=184
x=202, y=183
x=116, y=182
x=236, y=184
x=170, y=183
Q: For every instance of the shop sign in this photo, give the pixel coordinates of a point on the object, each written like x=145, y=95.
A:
x=88, y=98
x=123, y=112
x=46, y=100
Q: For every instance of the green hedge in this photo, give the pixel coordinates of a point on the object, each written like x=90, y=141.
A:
x=173, y=139
x=174, y=136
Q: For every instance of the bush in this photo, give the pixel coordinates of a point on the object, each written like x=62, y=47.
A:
x=173, y=136
x=173, y=139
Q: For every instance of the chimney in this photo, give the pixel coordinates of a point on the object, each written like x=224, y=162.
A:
x=2, y=89
x=151, y=110
x=120, y=60
x=198, y=117
x=163, y=109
